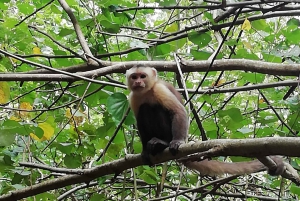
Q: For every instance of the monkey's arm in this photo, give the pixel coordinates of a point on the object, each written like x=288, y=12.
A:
x=174, y=91
x=179, y=116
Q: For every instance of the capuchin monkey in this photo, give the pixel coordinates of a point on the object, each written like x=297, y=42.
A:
x=162, y=122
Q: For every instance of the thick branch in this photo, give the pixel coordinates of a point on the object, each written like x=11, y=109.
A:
x=288, y=146
x=211, y=7
x=188, y=66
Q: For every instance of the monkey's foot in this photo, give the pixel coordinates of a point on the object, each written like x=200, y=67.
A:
x=155, y=146
x=174, y=145
x=280, y=166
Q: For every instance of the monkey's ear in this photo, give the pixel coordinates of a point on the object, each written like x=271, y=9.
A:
x=128, y=72
x=154, y=72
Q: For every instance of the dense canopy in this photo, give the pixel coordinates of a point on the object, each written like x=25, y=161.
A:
x=67, y=132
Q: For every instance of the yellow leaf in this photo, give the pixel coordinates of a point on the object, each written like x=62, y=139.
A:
x=246, y=25
x=78, y=116
x=261, y=101
x=172, y=28
x=13, y=60
x=48, y=132
x=25, y=106
x=36, y=50
x=14, y=118
x=4, y=92
x=220, y=82
x=68, y=113
x=247, y=45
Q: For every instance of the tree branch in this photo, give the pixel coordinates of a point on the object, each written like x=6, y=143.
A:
x=121, y=67
x=288, y=146
x=77, y=29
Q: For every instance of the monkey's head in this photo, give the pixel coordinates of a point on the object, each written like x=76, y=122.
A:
x=140, y=79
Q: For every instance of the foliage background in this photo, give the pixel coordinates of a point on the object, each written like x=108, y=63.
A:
x=63, y=99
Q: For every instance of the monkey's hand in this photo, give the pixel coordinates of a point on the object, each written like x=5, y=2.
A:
x=174, y=145
x=155, y=146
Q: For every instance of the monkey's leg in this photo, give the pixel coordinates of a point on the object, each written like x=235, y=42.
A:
x=155, y=146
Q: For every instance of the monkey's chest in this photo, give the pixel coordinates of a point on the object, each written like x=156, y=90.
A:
x=155, y=121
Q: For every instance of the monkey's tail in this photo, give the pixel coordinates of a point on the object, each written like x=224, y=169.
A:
x=213, y=167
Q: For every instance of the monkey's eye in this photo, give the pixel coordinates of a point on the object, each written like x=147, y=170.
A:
x=143, y=76
x=134, y=77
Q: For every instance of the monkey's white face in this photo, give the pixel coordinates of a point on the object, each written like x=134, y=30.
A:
x=137, y=81
x=141, y=79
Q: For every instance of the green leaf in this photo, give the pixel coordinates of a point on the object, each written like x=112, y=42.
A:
x=45, y=196
x=35, y=129
x=101, y=180
x=293, y=37
x=10, y=23
x=117, y=105
x=260, y=25
x=244, y=54
x=208, y=98
x=210, y=17
x=272, y=58
x=4, y=164
x=265, y=131
x=137, y=147
x=87, y=22
x=113, y=8
x=55, y=9
x=231, y=42
x=270, y=38
x=65, y=32
x=266, y=118
x=22, y=172
x=239, y=159
x=5, y=1
x=234, y=133
x=65, y=148
x=149, y=177
x=233, y=113
x=26, y=8
x=200, y=55
x=98, y=197
x=17, y=179
x=8, y=132
x=7, y=160
x=94, y=99
x=212, y=134
x=209, y=125
x=172, y=28
x=253, y=77
x=200, y=39
x=72, y=161
x=293, y=22
x=166, y=2
x=293, y=103
x=295, y=189
x=110, y=27
x=294, y=121
x=160, y=50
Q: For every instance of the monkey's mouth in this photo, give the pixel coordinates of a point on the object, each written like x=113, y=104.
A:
x=138, y=87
